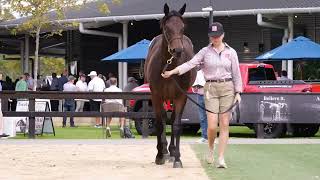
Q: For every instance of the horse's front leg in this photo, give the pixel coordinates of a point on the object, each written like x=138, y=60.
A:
x=163, y=135
x=177, y=129
x=158, y=108
x=172, y=147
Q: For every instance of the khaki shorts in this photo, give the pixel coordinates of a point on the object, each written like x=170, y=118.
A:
x=219, y=96
x=113, y=107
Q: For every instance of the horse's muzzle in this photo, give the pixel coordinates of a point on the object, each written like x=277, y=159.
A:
x=177, y=52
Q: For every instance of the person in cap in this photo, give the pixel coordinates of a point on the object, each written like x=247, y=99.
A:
x=132, y=83
x=96, y=85
x=222, y=88
x=69, y=104
x=114, y=105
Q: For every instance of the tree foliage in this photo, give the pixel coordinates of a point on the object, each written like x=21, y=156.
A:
x=38, y=14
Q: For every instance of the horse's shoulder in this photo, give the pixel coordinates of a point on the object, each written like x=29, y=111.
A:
x=155, y=40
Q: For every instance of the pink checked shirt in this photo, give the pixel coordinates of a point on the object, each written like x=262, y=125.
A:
x=215, y=65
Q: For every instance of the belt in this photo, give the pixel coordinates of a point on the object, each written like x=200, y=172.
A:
x=220, y=80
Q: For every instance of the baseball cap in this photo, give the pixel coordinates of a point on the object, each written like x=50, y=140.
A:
x=130, y=79
x=70, y=78
x=216, y=29
x=93, y=73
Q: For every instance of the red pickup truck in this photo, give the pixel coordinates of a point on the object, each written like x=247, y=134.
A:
x=256, y=77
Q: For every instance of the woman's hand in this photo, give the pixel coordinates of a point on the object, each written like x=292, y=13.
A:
x=167, y=74
x=237, y=97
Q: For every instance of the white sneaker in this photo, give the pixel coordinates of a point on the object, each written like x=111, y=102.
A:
x=210, y=157
x=97, y=126
x=202, y=141
x=222, y=164
x=108, y=132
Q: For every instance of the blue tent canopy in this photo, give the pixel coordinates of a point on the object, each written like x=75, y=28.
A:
x=133, y=54
x=300, y=48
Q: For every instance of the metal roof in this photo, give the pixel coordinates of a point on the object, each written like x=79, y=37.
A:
x=134, y=8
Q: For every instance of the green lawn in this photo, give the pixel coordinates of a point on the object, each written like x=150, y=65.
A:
x=266, y=162
x=95, y=133
x=79, y=133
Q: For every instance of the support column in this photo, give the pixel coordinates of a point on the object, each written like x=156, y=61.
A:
x=211, y=13
x=290, y=62
x=120, y=67
x=284, y=41
x=125, y=45
x=22, y=56
x=26, y=54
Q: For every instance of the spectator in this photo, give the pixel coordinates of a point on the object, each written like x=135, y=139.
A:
x=2, y=134
x=41, y=83
x=69, y=104
x=30, y=81
x=110, y=75
x=62, y=80
x=22, y=84
x=54, y=87
x=197, y=88
x=8, y=84
x=79, y=76
x=82, y=87
x=1, y=82
x=132, y=83
x=284, y=75
x=96, y=85
x=114, y=105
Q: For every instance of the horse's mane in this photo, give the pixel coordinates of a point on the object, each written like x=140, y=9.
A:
x=168, y=16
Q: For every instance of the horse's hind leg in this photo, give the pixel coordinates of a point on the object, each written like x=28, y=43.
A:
x=177, y=129
x=158, y=108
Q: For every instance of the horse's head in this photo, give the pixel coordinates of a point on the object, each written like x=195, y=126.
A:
x=172, y=26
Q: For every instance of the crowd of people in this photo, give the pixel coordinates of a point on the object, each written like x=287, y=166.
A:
x=92, y=82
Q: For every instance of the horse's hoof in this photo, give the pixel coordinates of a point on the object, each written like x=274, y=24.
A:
x=171, y=159
x=160, y=161
x=177, y=164
x=166, y=156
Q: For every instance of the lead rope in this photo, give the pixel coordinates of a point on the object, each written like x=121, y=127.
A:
x=169, y=61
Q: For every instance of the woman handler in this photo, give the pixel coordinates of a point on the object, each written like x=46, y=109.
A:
x=222, y=88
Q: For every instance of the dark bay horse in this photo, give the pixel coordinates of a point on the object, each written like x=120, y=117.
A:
x=173, y=48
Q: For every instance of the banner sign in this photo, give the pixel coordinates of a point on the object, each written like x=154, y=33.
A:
x=280, y=108
x=42, y=124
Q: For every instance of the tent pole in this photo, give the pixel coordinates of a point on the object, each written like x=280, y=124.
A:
x=290, y=62
x=125, y=45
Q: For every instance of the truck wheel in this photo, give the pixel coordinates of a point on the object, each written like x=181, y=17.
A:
x=304, y=130
x=151, y=122
x=272, y=130
x=190, y=129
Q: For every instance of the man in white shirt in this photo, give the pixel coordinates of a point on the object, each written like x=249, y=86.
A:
x=69, y=104
x=82, y=87
x=114, y=105
x=96, y=85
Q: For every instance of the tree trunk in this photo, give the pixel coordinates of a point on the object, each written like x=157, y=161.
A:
x=36, y=59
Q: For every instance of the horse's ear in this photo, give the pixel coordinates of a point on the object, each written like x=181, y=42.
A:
x=166, y=9
x=183, y=9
